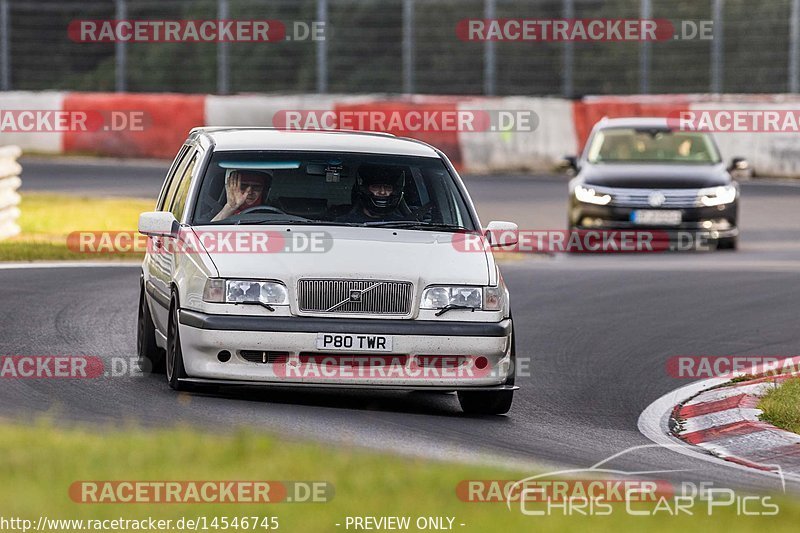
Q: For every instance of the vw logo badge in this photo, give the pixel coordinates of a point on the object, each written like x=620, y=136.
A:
x=656, y=199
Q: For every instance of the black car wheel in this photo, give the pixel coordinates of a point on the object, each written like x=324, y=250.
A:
x=491, y=402
x=151, y=357
x=727, y=243
x=175, y=369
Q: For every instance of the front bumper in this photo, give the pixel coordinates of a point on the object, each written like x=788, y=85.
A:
x=204, y=336
x=715, y=222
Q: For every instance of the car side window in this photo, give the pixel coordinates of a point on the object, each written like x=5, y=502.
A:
x=169, y=198
x=162, y=198
x=184, y=181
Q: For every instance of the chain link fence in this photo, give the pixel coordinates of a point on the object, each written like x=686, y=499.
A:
x=403, y=46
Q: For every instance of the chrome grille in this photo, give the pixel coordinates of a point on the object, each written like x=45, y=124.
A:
x=671, y=198
x=374, y=297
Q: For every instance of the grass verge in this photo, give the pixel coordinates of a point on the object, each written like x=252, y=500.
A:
x=39, y=462
x=781, y=405
x=47, y=219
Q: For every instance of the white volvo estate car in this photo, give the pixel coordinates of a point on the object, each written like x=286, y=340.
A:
x=324, y=259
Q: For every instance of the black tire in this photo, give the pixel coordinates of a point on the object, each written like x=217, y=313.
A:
x=491, y=402
x=486, y=402
x=174, y=359
x=727, y=243
x=151, y=357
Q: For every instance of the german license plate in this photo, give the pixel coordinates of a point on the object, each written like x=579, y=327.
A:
x=354, y=342
x=656, y=217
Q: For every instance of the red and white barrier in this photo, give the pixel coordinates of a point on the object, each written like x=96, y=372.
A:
x=166, y=120
x=519, y=148
x=561, y=129
x=9, y=198
x=32, y=141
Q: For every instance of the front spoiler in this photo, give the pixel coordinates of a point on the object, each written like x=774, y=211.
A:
x=331, y=386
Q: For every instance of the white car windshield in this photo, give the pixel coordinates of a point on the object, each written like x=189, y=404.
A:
x=265, y=187
x=628, y=145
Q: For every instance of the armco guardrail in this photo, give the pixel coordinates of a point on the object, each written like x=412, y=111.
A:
x=10, y=170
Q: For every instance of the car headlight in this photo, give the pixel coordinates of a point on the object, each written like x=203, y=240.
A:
x=481, y=298
x=591, y=196
x=712, y=196
x=245, y=292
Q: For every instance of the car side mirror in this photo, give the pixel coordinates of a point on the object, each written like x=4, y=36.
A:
x=501, y=233
x=739, y=163
x=568, y=163
x=158, y=224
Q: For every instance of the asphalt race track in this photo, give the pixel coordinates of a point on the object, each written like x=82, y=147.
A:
x=598, y=328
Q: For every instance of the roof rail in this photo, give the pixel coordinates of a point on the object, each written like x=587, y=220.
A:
x=212, y=129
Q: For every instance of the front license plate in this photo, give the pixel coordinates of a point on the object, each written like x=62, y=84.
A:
x=353, y=342
x=652, y=217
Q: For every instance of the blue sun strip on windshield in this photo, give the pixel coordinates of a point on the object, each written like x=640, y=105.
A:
x=260, y=165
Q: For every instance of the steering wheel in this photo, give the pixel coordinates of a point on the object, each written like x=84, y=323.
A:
x=263, y=208
x=422, y=211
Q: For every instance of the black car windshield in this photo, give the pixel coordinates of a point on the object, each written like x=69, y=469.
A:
x=348, y=189
x=628, y=145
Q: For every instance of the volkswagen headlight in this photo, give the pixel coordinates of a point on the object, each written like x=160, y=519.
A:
x=712, y=196
x=590, y=196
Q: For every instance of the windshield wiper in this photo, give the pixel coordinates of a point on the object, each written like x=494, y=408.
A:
x=262, y=304
x=450, y=307
x=412, y=224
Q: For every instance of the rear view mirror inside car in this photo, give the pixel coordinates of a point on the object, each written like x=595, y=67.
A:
x=332, y=170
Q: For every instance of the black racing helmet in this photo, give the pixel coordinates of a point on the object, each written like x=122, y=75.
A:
x=371, y=174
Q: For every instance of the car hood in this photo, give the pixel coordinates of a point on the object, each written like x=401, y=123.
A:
x=655, y=176
x=422, y=257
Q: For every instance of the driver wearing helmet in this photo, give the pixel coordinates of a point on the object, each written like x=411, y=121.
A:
x=244, y=189
x=378, y=192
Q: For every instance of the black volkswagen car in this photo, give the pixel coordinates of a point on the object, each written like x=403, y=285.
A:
x=641, y=173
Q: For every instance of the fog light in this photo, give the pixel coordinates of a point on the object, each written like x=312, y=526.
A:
x=481, y=363
x=591, y=222
x=224, y=356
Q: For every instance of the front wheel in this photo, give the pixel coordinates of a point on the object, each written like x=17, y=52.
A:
x=151, y=357
x=486, y=402
x=175, y=369
x=727, y=243
x=491, y=402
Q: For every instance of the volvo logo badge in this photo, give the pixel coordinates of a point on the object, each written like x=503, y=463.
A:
x=354, y=296
x=656, y=199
